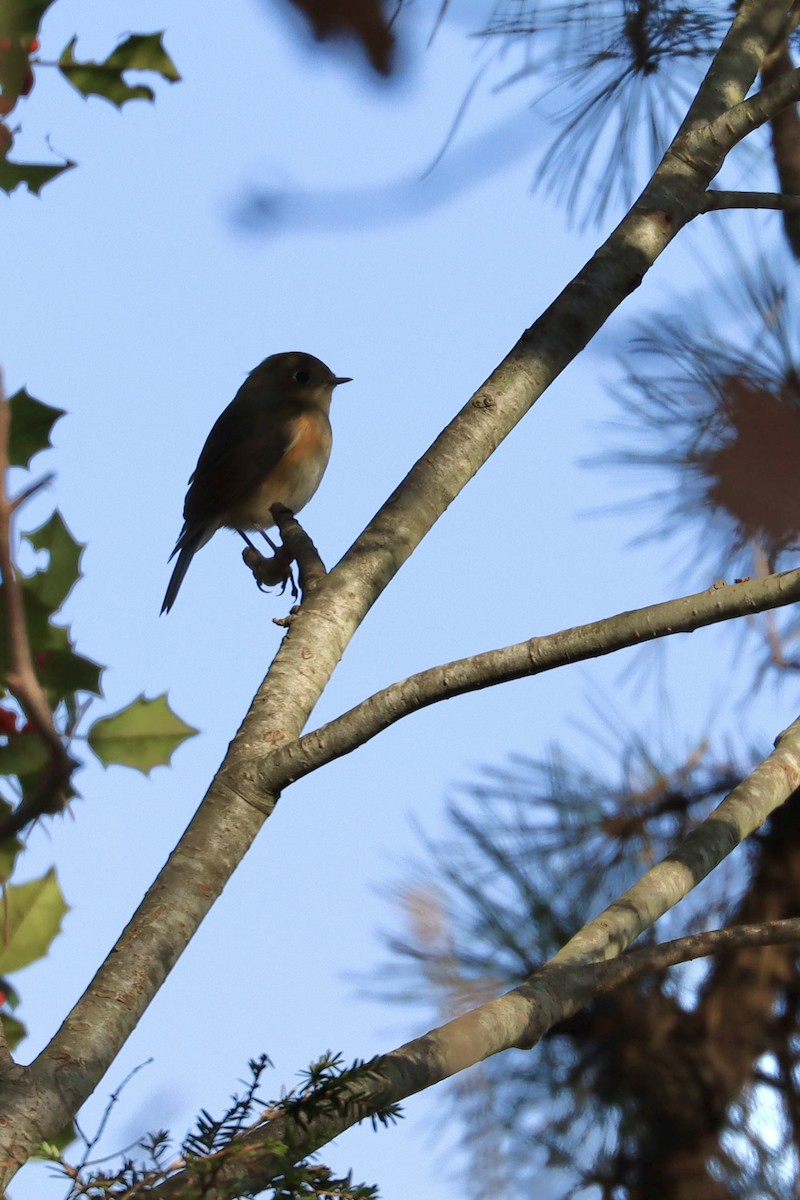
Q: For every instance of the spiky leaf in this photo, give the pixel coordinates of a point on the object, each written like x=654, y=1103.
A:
x=34, y=175
x=143, y=735
x=53, y=584
x=24, y=754
x=20, y=19
x=139, y=52
x=144, y=52
x=31, y=425
x=59, y=669
x=32, y=918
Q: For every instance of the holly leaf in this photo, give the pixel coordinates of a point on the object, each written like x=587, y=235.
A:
x=32, y=422
x=62, y=672
x=144, y=735
x=31, y=920
x=53, y=584
x=139, y=52
x=20, y=19
x=59, y=669
x=24, y=754
x=34, y=175
x=144, y=52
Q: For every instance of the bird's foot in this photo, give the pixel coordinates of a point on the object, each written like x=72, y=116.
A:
x=270, y=572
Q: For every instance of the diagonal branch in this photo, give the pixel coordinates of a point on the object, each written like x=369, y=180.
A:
x=736, y=123
x=234, y=808
x=579, y=984
x=364, y=721
x=594, y=960
x=747, y=807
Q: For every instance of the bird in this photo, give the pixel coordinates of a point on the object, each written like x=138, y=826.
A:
x=271, y=445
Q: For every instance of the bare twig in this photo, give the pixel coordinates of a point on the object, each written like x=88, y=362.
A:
x=533, y=657
x=718, y=199
x=90, y=1143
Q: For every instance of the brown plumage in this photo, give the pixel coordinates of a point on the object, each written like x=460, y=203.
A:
x=271, y=445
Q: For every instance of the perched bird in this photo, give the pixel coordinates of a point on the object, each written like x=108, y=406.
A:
x=271, y=445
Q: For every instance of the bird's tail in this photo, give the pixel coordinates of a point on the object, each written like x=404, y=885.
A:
x=181, y=567
x=187, y=546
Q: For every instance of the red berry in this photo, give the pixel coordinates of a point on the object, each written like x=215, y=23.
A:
x=40, y=658
x=33, y=46
x=6, y=105
x=27, y=83
x=6, y=139
x=8, y=721
x=28, y=727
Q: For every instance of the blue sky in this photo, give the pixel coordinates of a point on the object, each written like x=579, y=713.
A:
x=138, y=299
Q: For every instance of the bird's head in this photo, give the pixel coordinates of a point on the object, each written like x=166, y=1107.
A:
x=297, y=376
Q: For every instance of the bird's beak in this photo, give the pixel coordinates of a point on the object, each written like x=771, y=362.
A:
x=342, y=379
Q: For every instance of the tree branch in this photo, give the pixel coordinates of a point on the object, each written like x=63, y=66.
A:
x=732, y=126
x=297, y=547
x=718, y=199
x=591, y=962
x=659, y=889
x=234, y=808
x=371, y=716
x=51, y=791
x=310, y=566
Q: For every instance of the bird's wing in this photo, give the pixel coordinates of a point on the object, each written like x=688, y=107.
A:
x=248, y=441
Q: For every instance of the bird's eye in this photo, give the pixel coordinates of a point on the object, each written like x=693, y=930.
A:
x=301, y=376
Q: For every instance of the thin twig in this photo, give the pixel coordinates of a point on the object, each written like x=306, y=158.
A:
x=90, y=1143
x=718, y=199
x=27, y=492
x=371, y=716
x=644, y=959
